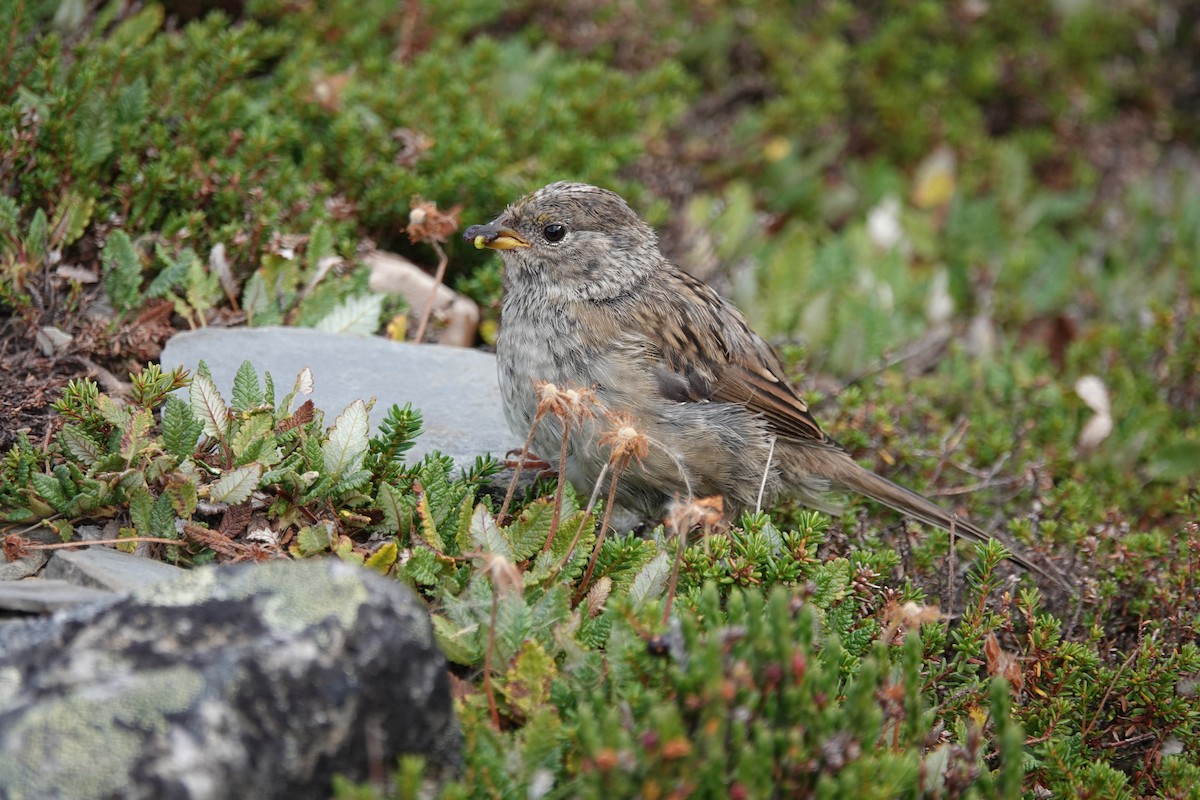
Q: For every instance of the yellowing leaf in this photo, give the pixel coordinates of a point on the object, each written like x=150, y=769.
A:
x=934, y=183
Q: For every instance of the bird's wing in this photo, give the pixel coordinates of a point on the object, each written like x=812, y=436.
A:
x=705, y=352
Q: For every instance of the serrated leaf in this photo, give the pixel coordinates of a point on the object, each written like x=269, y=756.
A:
x=527, y=533
x=93, y=134
x=183, y=495
x=113, y=413
x=397, y=508
x=83, y=448
x=162, y=517
x=180, y=428
x=486, y=536
x=236, y=485
x=71, y=219
x=424, y=567
x=320, y=245
x=313, y=539
x=250, y=435
x=429, y=531
x=208, y=406
x=514, y=624
x=456, y=643
x=382, y=559
x=135, y=31
x=141, y=509
x=131, y=103
x=651, y=580
x=357, y=315
x=37, y=238
x=174, y=274
x=10, y=212
x=50, y=490
x=258, y=303
x=203, y=288
x=122, y=270
x=347, y=442
x=344, y=549
x=526, y=684
x=247, y=392
x=134, y=435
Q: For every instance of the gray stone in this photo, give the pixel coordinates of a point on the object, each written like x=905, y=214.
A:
x=39, y=596
x=33, y=560
x=105, y=568
x=454, y=388
x=246, y=681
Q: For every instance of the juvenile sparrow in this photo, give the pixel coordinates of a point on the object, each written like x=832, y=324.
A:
x=590, y=302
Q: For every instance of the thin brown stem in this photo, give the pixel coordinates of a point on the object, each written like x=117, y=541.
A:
x=437, y=282
x=680, y=543
x=608, y=509
x=582, y=525
x=558, y=494
x=487, y=660
x=512, y=485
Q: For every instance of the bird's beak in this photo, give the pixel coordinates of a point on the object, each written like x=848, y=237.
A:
x=494, y=236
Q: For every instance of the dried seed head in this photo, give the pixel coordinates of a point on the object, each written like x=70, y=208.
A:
x=572, y=406
x=705, y=513
x=427, y=224
x=503, y=574
x=624, y=439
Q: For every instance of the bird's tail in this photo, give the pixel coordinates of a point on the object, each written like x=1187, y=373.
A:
x=856, y=478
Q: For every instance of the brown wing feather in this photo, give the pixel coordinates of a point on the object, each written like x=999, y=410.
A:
x=703, y=357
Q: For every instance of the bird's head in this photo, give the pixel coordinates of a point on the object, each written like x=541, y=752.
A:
x=573, y=237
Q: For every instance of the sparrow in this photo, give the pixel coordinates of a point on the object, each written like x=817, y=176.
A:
x=591, y=302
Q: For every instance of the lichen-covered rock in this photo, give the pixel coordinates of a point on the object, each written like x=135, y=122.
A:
x=246, y=681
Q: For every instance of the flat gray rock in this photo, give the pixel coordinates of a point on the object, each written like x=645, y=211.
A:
x=39, y=596
x=105, y=568
x=258, y=681
x=454, y=388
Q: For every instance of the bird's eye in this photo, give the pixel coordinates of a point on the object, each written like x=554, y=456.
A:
x=554, y=232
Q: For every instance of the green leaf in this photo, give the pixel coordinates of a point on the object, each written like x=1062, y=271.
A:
x=485, y=536
x=174, y=274
x=71, y=219
x=651, y=580
x=251, y=437
x=183, y=496
x=81, y=446
x=458, y=644
x=141, y=510
x=529, y=531
x=180, y=428
x=429, y=531
x=320, y=245
x=313, y=539
x=343, y=451
x=37, y=239
x=122, y=270
x=50, y=490
x=397, y=507
x=131, y=103
x=258, y=303
x=247, y=392
x=135, y=31
x=424, y=567
x=93, y=134
x=236, y=485
x=203, y=287
x=358, y=315
x=208, y=406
